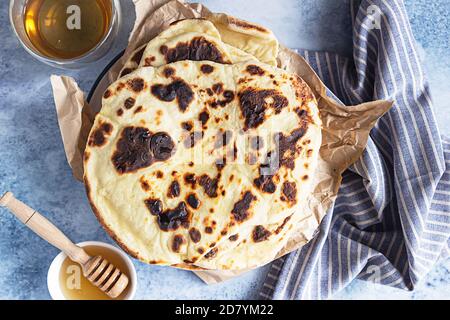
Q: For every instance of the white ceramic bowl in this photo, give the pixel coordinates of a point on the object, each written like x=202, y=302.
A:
x=55, y=267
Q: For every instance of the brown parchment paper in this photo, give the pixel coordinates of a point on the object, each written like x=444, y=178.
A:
x=344, y=135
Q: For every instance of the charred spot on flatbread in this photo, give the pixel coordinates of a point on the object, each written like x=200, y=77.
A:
x=287, y=146
x=228, y=97
x=203, y=117
x=126, y=71
x=138, y=148
x=162, y=146
x=255, y=70
x=209, y=230
x=212, y=253
x=136, y=58
x=155, y=206
x=129, y=103
x=99, y=135
x=265, y=183
x=289, y=191
x=195, y=235
x=209, y=92
x=178, y=90
x=285, y=153
x=177, y=241
x=120, y=86
x=281, y=226
x=198, y=49
x=144, y=184
x=148, y=61
x=206, y=68
x=190, y=179
x=108, y=93
x=209, y=185
x=193, y=201
x=217, y=87
x=241, y=208
x=254, y=103
x=187, y=125
x=168, y=72
x=138, y=110
x=136, y=84
x=247, y=25
x=174, y=190
x=181, y=20
x=260, y=233
x=170, y=219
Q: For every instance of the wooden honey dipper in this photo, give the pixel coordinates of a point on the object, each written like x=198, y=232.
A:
x=97, y=270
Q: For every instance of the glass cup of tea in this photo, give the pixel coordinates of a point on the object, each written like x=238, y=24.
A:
x=66, y=33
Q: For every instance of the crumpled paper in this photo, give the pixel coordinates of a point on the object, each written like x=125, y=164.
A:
x=344, y=135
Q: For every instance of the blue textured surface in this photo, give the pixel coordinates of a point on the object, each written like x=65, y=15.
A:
x=34, y=167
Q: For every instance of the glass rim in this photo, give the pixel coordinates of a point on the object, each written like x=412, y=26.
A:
x=34, y=52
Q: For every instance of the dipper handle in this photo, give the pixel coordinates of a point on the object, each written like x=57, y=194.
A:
x=43, y=228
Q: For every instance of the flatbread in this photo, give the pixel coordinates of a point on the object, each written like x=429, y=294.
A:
x=250, y=37
x=200, y=39
x=184, y=156
x=190, y=39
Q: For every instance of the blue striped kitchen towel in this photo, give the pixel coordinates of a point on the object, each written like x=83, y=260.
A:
x=391, y=220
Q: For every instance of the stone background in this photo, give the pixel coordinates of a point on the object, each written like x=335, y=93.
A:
x=34, y=167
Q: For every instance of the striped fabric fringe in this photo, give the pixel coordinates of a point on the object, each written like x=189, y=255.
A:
x=391, y=220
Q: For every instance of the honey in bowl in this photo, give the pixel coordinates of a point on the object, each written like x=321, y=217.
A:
x=67, y=29
x=75, y=286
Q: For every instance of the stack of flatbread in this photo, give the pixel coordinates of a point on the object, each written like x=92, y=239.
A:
x=203, y=152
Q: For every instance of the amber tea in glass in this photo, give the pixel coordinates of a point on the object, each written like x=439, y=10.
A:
x=66, y=29
x=66, y=33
